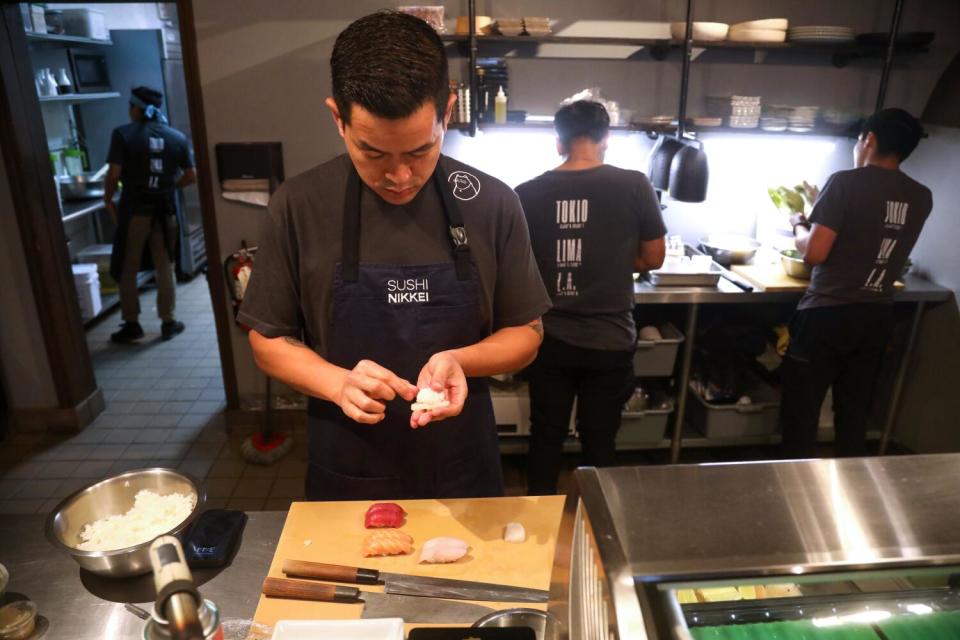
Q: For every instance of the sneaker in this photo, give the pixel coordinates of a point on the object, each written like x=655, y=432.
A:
x=170, y=329
x=129, y=332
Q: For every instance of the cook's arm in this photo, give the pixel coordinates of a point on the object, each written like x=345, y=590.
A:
x=650, y=255
x=110, y=184
x=356, y=391
x=815, y=243
x=508, y=349
x=296, y=365
x=189, y=177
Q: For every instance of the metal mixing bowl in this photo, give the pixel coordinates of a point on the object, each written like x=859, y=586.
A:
x=794, y=265
x=516, y=617
x=114, y=496
x=729, y=249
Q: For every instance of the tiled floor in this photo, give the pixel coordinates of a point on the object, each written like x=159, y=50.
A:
x=164, y=408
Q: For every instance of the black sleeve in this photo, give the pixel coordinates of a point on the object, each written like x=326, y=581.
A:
x=519, y=296
x=271, y=305
x=118, y=149
x=649, y=218
x=830, y=207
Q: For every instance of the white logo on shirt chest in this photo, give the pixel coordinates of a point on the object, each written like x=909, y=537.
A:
x=408, y=290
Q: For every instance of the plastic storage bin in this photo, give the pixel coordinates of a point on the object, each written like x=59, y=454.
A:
x=87, y=282
x=730, y=421
x=643, y=427
x=657, y=357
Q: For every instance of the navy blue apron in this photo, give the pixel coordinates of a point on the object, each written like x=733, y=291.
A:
x=399, y=316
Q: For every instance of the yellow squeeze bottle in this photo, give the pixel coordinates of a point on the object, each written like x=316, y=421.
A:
x=500, y=107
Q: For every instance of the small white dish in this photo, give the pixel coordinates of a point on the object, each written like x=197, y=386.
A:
x=780, y=24
x=702, y=31
x=373, y=629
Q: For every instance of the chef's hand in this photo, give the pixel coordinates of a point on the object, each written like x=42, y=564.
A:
x=799, y=220
x=365, y=385
x=441, y=373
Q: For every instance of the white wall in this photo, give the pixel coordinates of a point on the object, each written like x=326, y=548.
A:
x=742, y=166
x=936, y=163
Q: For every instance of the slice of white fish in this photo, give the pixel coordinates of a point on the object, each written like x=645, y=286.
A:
x=514, y=532
x=428, y=399
x=442, y=550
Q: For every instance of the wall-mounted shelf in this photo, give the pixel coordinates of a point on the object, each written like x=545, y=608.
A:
x=80, y=97
x=657, y=130
x=50, y=38
x=839, y=54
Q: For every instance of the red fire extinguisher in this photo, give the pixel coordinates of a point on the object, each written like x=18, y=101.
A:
x=237, y=269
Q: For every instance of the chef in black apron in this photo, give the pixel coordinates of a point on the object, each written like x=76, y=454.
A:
x=414, y=271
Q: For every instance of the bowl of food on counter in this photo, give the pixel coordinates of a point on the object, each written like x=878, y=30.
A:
x=108, y=526
x=794, y=265
x=729, y=249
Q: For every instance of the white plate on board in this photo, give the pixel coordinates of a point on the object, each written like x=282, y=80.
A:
x=373, y=629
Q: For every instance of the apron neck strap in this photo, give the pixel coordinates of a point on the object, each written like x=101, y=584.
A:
x=351, y=226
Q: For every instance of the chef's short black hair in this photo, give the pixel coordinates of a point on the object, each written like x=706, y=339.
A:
x=581, y=119
x=148, y=95
x=898, y=133
x=389, y=63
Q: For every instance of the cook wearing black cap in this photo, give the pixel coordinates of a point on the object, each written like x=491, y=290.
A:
x=858, y=237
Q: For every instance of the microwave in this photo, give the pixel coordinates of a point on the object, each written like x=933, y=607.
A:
x=89, y=72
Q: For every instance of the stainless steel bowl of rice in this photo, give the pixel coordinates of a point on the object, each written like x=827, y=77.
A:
x=108, y=526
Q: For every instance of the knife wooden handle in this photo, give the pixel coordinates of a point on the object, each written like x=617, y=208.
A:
x=334, y=572
x=302, y=590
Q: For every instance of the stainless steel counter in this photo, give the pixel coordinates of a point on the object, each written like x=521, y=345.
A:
x=916, y=290
x=83, y=606
x=76, y=209
x=793, y=518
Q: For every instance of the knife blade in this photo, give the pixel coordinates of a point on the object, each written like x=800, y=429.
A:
x=405, y=584
x=378, y=605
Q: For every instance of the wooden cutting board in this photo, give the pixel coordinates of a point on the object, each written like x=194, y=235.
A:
x=770, y=277
x=333, y=532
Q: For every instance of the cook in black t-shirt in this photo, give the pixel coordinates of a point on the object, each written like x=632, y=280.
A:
x=389, y=269
x=592, y=225
x=859, y=236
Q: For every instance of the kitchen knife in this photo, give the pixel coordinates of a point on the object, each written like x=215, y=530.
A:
x=403, y=584
x=378, y=605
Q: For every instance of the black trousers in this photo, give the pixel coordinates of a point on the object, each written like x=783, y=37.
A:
x=600, y=381
x=842, y=346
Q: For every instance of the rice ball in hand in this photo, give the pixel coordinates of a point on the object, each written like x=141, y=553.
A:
x=428, y=400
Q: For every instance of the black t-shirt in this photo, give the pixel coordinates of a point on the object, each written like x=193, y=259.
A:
x=291, y=289
x=151, y=156
x=877, y=214
x=586, y=228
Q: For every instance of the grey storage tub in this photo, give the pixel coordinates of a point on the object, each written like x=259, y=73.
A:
x=730, y=421
x=643, y=427
x=657, y=357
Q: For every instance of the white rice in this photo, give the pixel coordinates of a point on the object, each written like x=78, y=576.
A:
x=152, y=515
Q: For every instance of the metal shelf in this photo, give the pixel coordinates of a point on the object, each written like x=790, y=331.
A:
x=662, y=129
x=70, y=98
x=50, y=38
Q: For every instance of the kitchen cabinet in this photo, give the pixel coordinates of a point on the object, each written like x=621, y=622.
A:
x=814, y=53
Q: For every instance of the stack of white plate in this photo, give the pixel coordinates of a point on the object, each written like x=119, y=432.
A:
x=768, y=30
x=510, y=26
x=802, y=119
x=773, y=123
x=537, y=25
x=820, y=34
